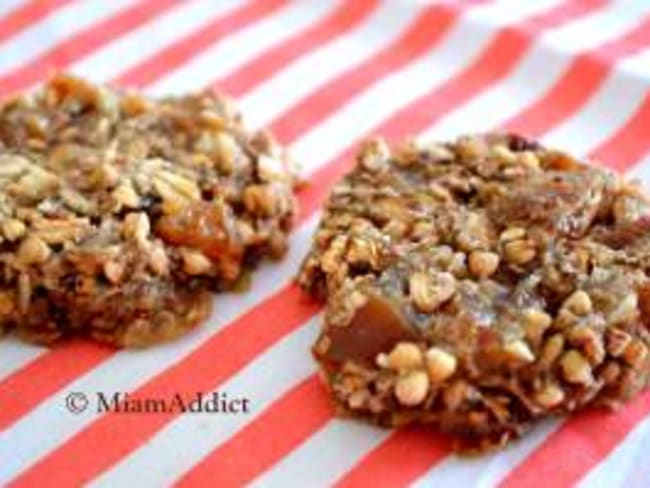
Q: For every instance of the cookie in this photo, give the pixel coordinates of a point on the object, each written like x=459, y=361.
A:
x=479, y=286
x=120, y=214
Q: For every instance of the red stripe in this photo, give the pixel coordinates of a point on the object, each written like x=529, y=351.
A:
x=281, y=427
x=177, y=54
x=580, y=444
x=495, y=62
x=399, y=461
x=630, y=143
x=221, y=356
x=343, y=19
x=45, y=375
x=88, y=40
x=428, y=28
x=578, y=84
x=96, y=429
x=27, y=15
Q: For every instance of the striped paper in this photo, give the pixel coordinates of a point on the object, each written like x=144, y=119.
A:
x=322, y=75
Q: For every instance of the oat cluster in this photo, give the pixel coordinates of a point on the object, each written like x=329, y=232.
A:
x=480, y=285
x=119, y=214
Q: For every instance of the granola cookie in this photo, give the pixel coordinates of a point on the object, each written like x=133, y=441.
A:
x=119, y=214
x=479, y=286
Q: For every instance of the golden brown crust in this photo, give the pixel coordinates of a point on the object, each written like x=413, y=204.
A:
x=480, y=285
x=118, y=213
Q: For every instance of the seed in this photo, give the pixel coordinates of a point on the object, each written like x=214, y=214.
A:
x=549, y=396
x=33, y=251
x=412, y=389
x=579, y=303
x=405, y=355
x=576, y=368
x=441, y=365
x=483, y=264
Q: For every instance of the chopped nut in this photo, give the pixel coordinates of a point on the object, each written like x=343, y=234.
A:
x=33, y=250
x=576, y=368
x=405, y=355
x=552, y=349
x=412, y=389
x=429, y=291
x=589, y=341
x=13, y=229
x=519, y=351
x=535, y=322
x=374, y=154
x=512, y=234
x=260, y=200
x=578, y=302
x=551, y=395
x=125, y=196
x=503, y=154
x=617, y=341
x=635, y=353
x=137, y=227
x=626, y=310
x=441, y=365
x=519, y=251
x=113, y=270
x=483, y=264
x=195, y=262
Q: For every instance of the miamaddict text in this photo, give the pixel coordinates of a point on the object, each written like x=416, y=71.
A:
x=214, y=402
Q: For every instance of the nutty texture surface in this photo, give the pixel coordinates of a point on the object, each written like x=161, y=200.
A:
x=480, y=285
x=120, y=214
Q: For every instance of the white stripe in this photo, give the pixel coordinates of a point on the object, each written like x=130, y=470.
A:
x=611, y=105
x=269, y=376
x=626, y=466
x=60, y=25
x=233, y=52
x=15, y=354
x=308, y=73
x=538, y=71
x=7, y=7
x=334, y=449
x=466, y=41
x=642, y=172
x=152, y=37
x=489, y=469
